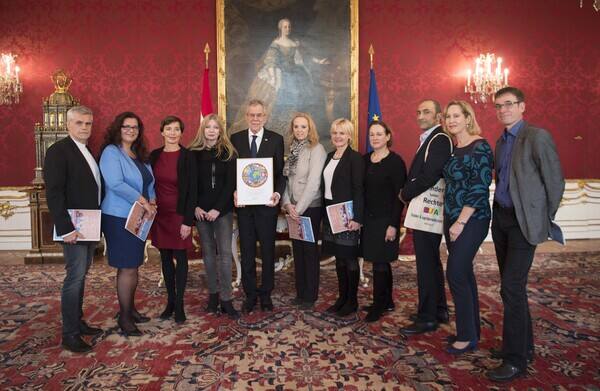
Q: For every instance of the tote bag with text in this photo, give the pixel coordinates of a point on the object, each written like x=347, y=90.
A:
x=426, y=211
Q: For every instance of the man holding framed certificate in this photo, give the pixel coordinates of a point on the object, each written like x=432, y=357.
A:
x=260, y=183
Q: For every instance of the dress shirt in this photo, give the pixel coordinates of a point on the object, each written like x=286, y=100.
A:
x=504, y=150
x=259, y=137
x=92, y=163
x=426, y=134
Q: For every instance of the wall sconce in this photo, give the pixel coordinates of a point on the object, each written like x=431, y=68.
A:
x=10, y=85
x=487, y=78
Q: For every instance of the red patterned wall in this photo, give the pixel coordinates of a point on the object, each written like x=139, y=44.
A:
x=146, y=56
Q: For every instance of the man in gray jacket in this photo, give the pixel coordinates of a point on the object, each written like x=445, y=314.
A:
x=529, y=188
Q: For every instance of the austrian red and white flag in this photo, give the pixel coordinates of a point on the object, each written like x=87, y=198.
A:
x=207, y=107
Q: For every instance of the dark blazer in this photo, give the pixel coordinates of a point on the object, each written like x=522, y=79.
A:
x=424, y=174
x=536, y=182
x=187, y=183
x=70, y=183
x=348, y=181
x=270, y=146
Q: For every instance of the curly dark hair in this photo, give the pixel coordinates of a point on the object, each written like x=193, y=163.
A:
x=113, y=135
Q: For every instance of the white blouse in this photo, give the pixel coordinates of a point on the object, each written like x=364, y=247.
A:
x=328, y=177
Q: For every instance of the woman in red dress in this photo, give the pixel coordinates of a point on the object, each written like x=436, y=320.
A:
x=175, y=173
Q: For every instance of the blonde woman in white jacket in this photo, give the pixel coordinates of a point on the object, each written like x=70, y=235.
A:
x=303, y=197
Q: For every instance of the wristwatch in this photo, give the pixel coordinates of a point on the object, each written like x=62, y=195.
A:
x=461, y=222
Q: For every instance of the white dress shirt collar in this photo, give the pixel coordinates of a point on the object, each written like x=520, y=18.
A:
x=259, y=137
x=92, y=163
x=426, y=134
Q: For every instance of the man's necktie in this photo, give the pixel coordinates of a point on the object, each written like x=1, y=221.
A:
x=253, y=148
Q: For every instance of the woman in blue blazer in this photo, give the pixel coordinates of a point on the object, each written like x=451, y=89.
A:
x=127, y=178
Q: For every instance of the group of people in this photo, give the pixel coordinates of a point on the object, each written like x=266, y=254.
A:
x=182, y=186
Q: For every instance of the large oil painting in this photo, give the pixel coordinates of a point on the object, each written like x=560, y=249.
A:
x=294, y=55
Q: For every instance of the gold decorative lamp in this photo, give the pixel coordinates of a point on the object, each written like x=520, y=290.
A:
x=53, y=128
x=54, y=125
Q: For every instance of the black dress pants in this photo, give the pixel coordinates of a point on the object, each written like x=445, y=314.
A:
x=430, y=276
x=257, y=223
x=515, y=257
x=306, y=260
x=461, y=277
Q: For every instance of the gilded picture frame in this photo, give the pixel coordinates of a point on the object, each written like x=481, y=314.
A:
x=295, y=55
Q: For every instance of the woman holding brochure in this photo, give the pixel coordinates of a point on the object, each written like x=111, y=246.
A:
x=467, y=214
x=303, y=198
x=385, y=175
x=342, y=182
x=215, y=159
x=176, y=190
x=128, y=179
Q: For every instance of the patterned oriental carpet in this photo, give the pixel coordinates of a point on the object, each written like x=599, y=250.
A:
x=289, y=349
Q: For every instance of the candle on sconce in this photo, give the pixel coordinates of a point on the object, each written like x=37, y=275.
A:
x=505, y=76
x=17, y=70
x=468, y=77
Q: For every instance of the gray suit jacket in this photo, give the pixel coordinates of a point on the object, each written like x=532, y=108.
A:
x=536, y=182
x=304, y=187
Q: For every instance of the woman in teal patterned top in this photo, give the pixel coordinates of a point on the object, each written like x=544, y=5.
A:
x=467, y=214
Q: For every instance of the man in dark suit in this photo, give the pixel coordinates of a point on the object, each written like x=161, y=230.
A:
x=423, y=174
x=73, y=182
x=529, y=188
x=258, y=222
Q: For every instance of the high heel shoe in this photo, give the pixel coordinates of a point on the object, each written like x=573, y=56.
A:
x=131, y=331
x=471, y=346
x=136, y=316
x=168, y=312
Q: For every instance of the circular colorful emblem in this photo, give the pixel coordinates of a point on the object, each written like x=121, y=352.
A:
x=254, y=175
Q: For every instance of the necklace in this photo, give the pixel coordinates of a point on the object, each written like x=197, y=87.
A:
x=375, y=157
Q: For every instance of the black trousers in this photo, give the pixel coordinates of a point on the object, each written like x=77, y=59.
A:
x=515, y=257
x=461, y=278
x=256, y=223
x=430, y=276
x=306, y=260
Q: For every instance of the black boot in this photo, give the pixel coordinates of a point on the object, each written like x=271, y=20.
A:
x=181, y=271
x=380, y=296
x=227, y=307
x=168, y=270
x=351, y=304
x=341, y=271
x=213, y=303
x=168, y=312
x=179, y=312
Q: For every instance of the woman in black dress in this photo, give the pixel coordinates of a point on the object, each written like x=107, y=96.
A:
x=343, y=177
x=385, y=175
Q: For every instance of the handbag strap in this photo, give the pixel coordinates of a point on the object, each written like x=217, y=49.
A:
x=438, y=134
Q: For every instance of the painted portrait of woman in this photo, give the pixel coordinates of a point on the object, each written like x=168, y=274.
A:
x=299, y=66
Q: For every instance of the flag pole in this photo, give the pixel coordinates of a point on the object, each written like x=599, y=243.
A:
x=371, y=53
x=207, y=50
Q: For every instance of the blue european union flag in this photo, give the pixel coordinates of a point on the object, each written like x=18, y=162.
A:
x=374, y=109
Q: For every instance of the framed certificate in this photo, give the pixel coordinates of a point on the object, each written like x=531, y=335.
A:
x=254, y=181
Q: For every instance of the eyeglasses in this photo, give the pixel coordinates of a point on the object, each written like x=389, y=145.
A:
x=129, y=127
x=506, y=105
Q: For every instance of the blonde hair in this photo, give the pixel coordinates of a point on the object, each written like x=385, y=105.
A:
x=313, y=135
x=345, y=125
x=225, y=149
x=472, y=126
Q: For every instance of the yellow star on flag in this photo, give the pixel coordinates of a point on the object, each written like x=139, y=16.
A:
x=375, y=117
